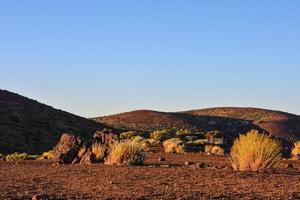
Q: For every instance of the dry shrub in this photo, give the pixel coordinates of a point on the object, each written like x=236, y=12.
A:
x=174, y=145
x=217, y=150
x=296, y=149
x=47, y=155
x=255, y=152
x=82, y=151
x=126, y=153
x=99, y=151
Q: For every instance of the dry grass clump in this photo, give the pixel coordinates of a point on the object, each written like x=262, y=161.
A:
x=99, y=152
x=174, y=145
x=126, y=153
x=296, y=149
x=217, y=150
x=47, y=155
x=255, y=152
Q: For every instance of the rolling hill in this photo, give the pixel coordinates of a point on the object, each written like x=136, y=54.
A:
x=231, y=121
x=29, y=126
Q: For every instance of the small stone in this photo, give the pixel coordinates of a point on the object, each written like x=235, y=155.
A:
x=110, y=183
x=41, y=197
x=187, y=163
x=165, y=166
x=161, y=159
x=288, y=166
x=202, y=165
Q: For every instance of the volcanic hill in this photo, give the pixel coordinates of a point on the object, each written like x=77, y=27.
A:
x=230, y=120
x=29, y=126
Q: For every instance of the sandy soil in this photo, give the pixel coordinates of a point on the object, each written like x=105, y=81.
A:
x=170, y=179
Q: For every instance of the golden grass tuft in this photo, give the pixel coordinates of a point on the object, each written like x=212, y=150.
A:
x=296, y=149
x=99, y=152
x=174, y=145
x=255, y=152
x=47, y=155
x=126, y=153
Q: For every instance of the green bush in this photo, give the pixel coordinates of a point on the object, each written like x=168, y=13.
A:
x=128, y=135
x=162, y=135
x=255, y=152
x=20, y=156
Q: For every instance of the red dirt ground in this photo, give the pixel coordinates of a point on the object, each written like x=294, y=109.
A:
x=155, y=180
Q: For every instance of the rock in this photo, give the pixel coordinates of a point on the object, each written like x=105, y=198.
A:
x=2, y=157
x=67, y=149
x=165, y=166
x=288, y=166
x=187, y=163
x=41, y=197
x=87, y=158
x=202, y=165
x=106, y=137
x=161, y=159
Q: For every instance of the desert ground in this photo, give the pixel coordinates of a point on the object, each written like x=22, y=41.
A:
x=205, y=177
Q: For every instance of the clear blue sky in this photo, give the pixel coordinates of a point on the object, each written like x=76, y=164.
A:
x=95, y=58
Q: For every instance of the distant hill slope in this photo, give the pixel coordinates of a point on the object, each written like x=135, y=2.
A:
x=231, y=121
x=29, y=126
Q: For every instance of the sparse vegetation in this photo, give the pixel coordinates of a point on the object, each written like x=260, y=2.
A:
x=255, y=152
x=20, y=156
x=126, y=153
x=47, y=155
x=99, y=152
x=213, y=134
x=162, y=135
x=296, y=149
x=184, y=132
x=174, y=145
x=130, y=135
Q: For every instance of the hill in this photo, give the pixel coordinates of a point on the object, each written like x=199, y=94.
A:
x=229, y=120
x=29, y=126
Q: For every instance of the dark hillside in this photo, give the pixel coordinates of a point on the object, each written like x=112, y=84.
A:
x=29, y=126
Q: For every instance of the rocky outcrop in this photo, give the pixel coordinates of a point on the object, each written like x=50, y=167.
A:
x=67, y=149
x=71, y=149
x=105, y=137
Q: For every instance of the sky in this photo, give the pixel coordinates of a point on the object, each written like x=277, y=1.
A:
x=96, y=58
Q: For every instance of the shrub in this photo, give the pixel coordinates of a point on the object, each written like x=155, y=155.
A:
x=255, y=152
x=296, y=149
x=128, y=135
x=99, y=152
x=82, y=151
x=20, y=156
x=126, y=153
x=162, y=135
x=184, y=132
x=138, y=139
x=143, y=142
x=217, y=150
x=213, y=134
x=47, y=155
x=174, y=145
